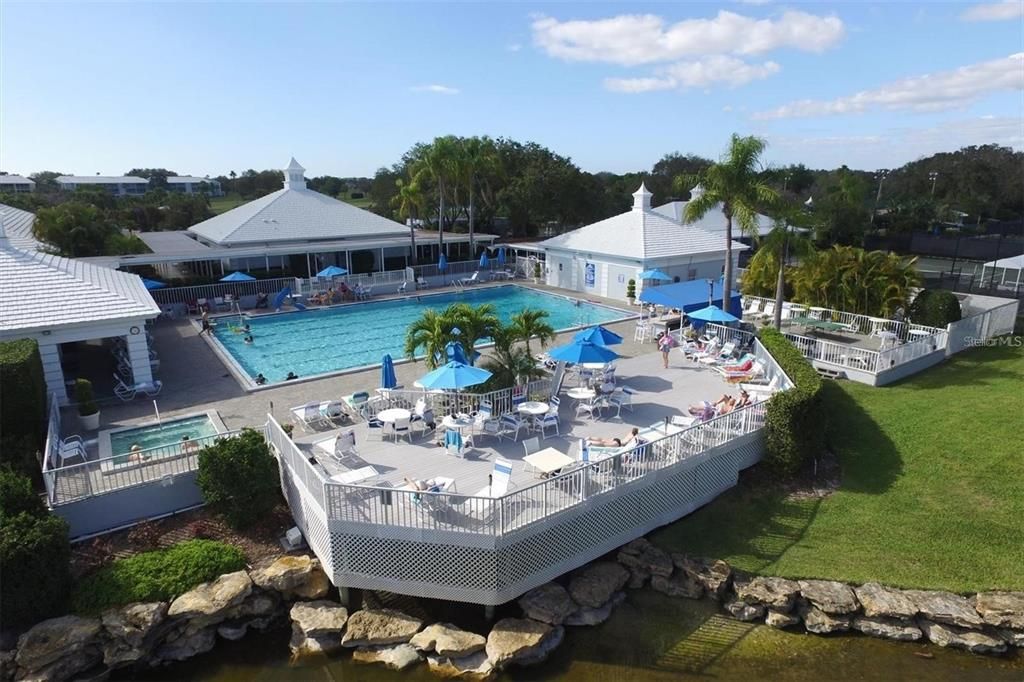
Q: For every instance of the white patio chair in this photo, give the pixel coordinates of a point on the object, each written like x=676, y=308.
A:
x=548, y=421
x=500, y=480
x=402, y=287
x=511, y=424
x=531, y=445
x=592, y=408
x=422, y=283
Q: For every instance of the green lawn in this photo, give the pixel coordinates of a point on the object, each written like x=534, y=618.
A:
x=932, y=491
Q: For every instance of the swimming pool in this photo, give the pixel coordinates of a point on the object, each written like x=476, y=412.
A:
x=118, y=443
x=327, y=340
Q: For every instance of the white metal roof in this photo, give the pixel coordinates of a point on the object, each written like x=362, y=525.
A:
x=1010, y=263
x=293, y=214
x=43, y=291
x=101, y=179
x=17, y=224
x=640, y=233
x=15, y=180
x=713, y=220
x=182, y=179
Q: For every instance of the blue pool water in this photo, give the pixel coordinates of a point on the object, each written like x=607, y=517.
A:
x=169, y=433
x=319, y=341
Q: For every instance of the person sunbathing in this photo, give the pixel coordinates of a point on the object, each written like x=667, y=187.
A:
x=727, y=406
x=613, y=442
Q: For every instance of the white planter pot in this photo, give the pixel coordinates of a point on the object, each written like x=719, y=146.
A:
x=90, y=422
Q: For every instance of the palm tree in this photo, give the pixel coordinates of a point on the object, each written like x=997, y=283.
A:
x=410, y=204
x=438, y=161
x=475, y=323
x=431, y=332
x=529, y=323
x=479, y=158
x=509, y=364
x=779, y=245
x=736, y=185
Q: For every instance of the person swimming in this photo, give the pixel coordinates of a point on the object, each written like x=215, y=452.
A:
x=260, y=379
x=248, y=340
x=136, y=453
x=291, y=375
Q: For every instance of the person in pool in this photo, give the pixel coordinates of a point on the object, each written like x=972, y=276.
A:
x=291, y=375
x=248, y=340
x=260, y=379
x=188, y=445
x=136, y=453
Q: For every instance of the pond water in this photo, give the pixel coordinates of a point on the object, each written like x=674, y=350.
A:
x=650, y=638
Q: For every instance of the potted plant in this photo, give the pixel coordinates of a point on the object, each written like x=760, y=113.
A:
x=631, y=291
x=288, y=428
x=88, y=411
x=536, y=272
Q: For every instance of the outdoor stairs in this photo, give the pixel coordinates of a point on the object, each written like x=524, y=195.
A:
x=831, y=373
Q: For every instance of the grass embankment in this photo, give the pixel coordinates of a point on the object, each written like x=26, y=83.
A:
x=930, y=496
x=160, y=575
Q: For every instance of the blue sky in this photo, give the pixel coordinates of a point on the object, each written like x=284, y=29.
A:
x=211, y=87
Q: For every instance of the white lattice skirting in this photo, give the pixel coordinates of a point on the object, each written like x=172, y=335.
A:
x=484, y=569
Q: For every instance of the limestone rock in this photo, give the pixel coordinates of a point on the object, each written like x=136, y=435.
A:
x=1001, y=609
x=302, y=646
x=58, y=638
x=642, y=555
x=829, y=596
x=778, y=593
x=778, y=619
x=232, y=631
x=212, y=602
x=1012, y=637
x=637, y=578
x=257, y=605
x=473, y=667
x=448, y=641
x=319, y=618
x=550, y=603
x=186, y=646
x=884, y=602
x=68, y=667
x=587, y=616
x=379, y=627
x=821, y=623
x=741, y=610
x=521, y=641
x=679, y=585
x=596, y=583
x=294, y=576
x=975, y=641
x=945, y=607
x=129, y=631
x=714, y=575
x=395, y=657
x=887, y=628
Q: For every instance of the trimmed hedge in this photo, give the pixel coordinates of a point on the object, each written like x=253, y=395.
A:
x=22, y=391
x=160, y=575
x=935, y=308
x=795, y=420
x=239, y=478
x=35, y=555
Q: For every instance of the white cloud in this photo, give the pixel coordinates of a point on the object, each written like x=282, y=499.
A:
x=930, y=92
x=696, y=74
x=436, y=89
x=994, y=11
x=514, y=47
x=632, y=39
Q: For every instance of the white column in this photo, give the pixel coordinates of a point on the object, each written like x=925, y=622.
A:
x=52, y=371
x=138, y=354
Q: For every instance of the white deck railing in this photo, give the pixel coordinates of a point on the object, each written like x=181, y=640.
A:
x=190, y=294
x=462, y=513
x=865, y=324
x=96, y=477
x=51, y=458
x=443, y=403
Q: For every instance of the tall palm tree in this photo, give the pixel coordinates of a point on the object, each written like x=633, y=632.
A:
x=410, y=204
x=431, y=333
x=738, y=187
x=529, y=323
x=779, y=245
x=439, y=162
x=479, y=158
x=475, y=323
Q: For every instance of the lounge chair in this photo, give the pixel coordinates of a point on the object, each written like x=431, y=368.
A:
x=128, y=392
x=422, y=283
x=339, y=447
x=767, y=313
x=722, y=356
x=500, y=480
x=762, y=389
x=470, y=280
x=402, y=287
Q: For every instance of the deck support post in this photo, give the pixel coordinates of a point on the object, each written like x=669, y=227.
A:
x=489, y=612
x=350, y=597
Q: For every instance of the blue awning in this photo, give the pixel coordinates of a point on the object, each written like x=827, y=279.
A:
x=689, y=296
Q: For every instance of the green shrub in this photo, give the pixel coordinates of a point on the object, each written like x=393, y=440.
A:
x=239, y=478
x=18, y=497
x=20, y=453
x=35, y=555
x=85, y=397
x=795, y=420
x=22, y=391
x=935, y=308
x=160, y=575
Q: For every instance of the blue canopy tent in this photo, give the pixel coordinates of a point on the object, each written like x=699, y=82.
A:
x=388, y=379
x=690, y=296
x=237, y=277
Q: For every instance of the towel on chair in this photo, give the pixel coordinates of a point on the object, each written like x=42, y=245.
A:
x=451, y=438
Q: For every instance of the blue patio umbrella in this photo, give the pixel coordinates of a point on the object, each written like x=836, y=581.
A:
x=455, y=352
x=332, y=271
x=712, y=314
x=484, y=261
x=387, y=372
x=656, y=275
x=442, y=265
x=151, y=284
x=501, y=256
x=582, y=351
x=598, y=335
x=454, y=375
x=237, y=277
